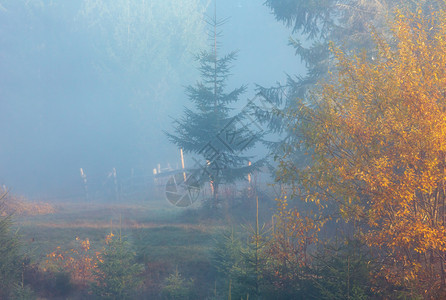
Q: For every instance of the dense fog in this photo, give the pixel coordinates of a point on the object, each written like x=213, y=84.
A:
x=232, y=149
x=93, y=84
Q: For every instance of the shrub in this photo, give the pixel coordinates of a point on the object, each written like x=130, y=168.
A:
x=176, y=287
x=117, y=272
x=10, y=260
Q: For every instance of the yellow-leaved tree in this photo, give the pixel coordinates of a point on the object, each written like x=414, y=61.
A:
x=377, y=134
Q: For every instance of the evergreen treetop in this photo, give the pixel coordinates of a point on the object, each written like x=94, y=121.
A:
x=219, y=137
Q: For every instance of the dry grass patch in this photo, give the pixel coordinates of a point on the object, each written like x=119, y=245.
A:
x=19, y=206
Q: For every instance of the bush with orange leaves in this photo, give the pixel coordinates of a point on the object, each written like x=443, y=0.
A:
x=79, y=262
x=287, y=248
x=377, y=133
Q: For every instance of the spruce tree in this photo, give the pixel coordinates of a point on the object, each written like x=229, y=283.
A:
x=117, y=273
x=219, y=139
x=10, y=259
x=314, y=25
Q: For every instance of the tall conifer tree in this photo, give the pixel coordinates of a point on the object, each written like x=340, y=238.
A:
x=220, y=139
x=314, y=25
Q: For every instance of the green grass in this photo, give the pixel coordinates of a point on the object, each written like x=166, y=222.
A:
x=173, y=245
x=164, y=237
x=161, y=236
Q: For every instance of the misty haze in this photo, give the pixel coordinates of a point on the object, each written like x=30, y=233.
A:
x=93, y=85
x=237, y=149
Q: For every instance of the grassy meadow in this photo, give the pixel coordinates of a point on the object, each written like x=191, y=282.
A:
x=164, y=238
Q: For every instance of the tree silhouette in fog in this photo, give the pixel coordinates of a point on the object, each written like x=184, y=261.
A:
x=220, y=139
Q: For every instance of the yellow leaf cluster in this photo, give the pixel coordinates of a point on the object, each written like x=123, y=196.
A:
x=77, y=261
x=378, y=131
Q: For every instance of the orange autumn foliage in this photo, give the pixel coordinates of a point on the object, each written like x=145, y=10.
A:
x=377, y=130
x=78, y=261
x=287, y=248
